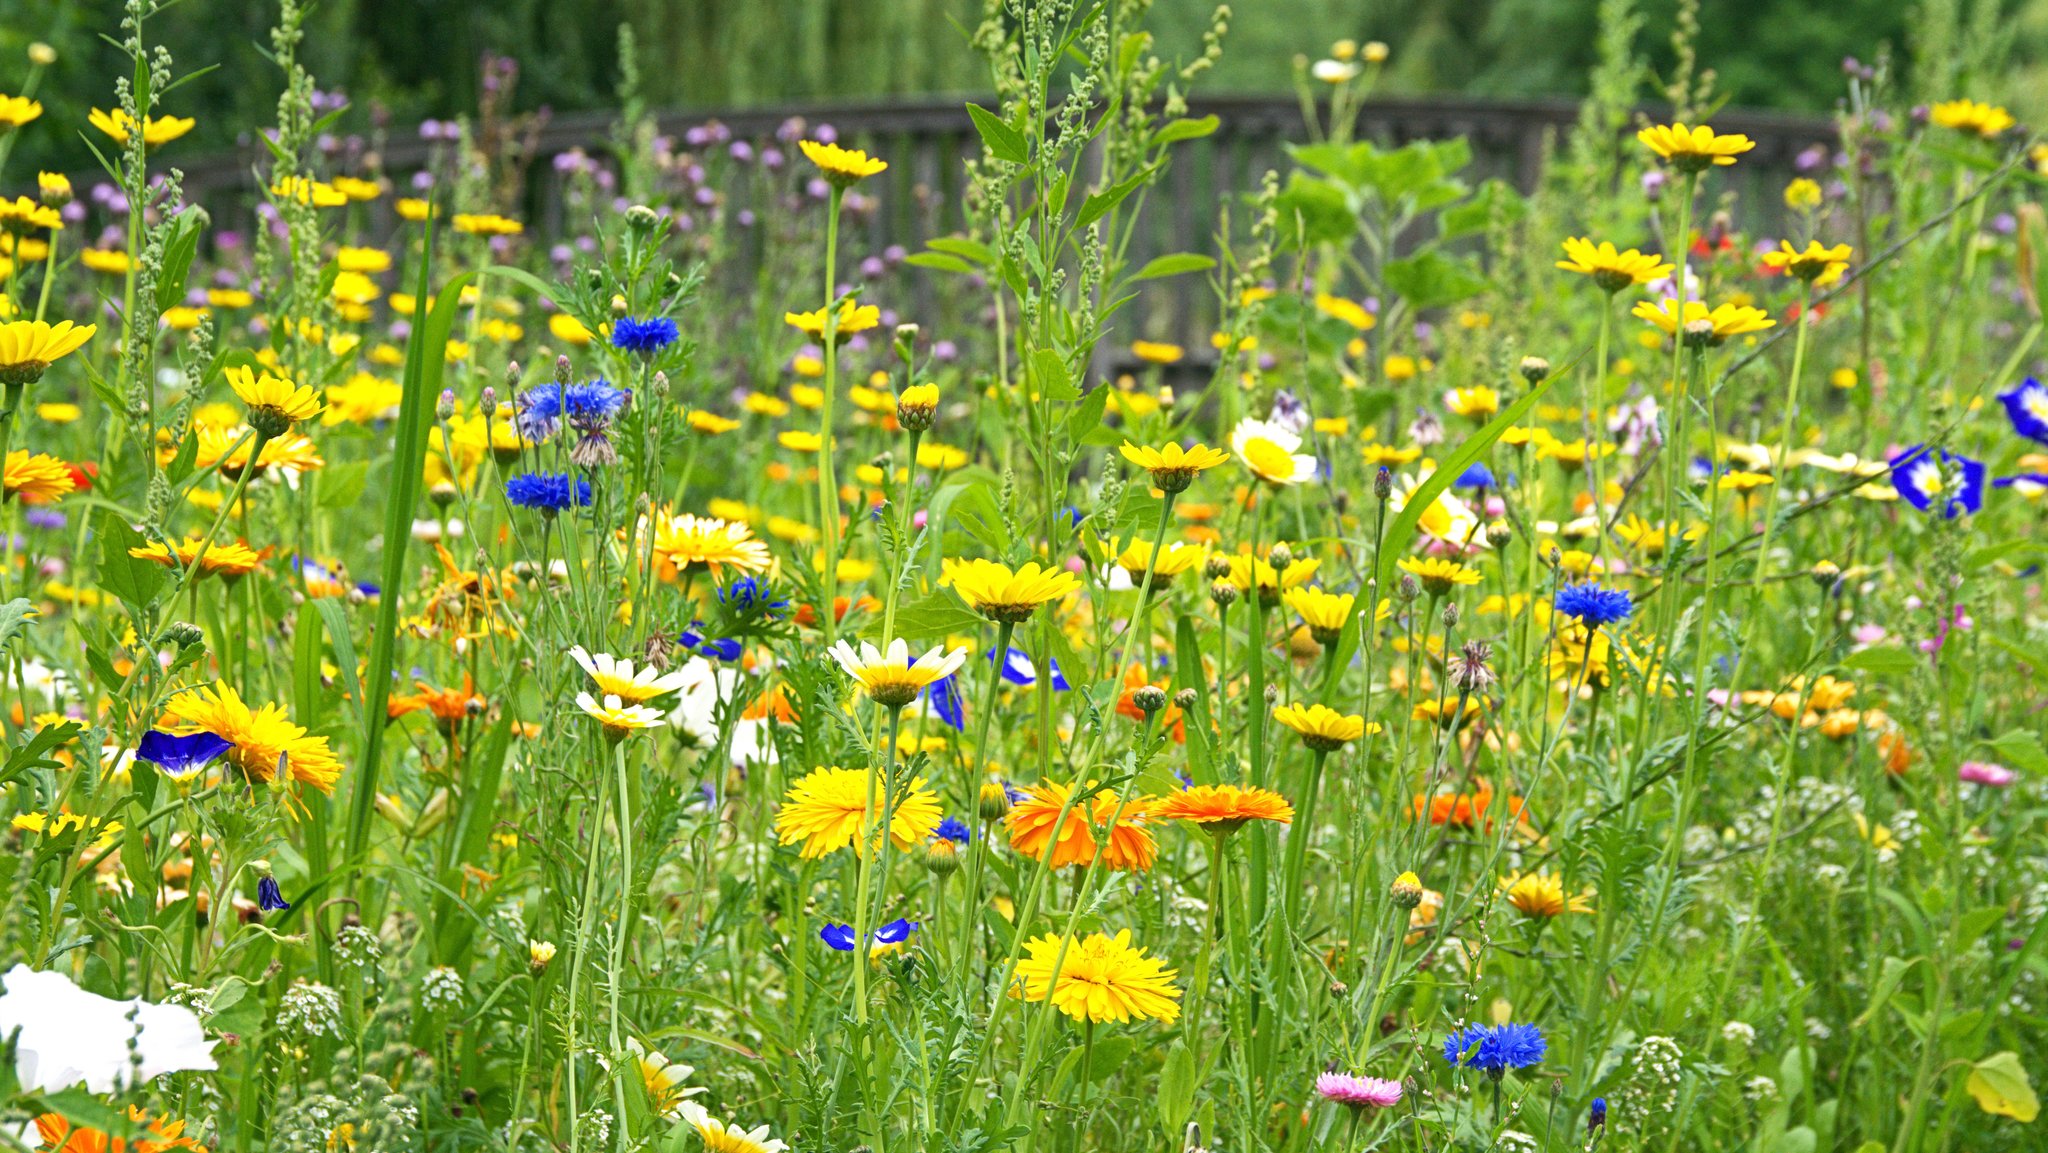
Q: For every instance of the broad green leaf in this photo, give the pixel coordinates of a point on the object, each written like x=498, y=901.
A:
x=1495, y=199
x=939, y=615
x=963, y=248
x=1432, y=279
x=178, y=253
x=2021, y=749
x=1099, y=205
x=1176, y=1092
x=2000, y=1085
x=1312, y=211
x=1003, y=141
x=1186, y=129
x=134, y=580
x=1050, y=371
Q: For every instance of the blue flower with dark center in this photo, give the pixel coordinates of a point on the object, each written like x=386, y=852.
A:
x=841, y=937
x=1926, y=477
x=947, y=704
x=1593, y=605
x=549, y=492
x=749, y=595
x=540, y=410
x=1477, y=476
x=955, y=830
x=1019, y=670
x=269, y=897
x=1596, y=1116
x=591, y=406
x=181, y=758
x=1495, y=1049
x=2026, y=404
x=645, y=337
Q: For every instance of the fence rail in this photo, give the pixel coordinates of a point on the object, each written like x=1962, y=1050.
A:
x=926, y=140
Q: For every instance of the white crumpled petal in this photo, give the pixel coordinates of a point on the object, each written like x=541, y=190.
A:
x=69, y=1035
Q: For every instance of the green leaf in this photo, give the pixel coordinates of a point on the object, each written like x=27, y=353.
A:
x=1110, y=1055
x=1495, y=200
x=963, y=248
x=1419, y=501
x=134, y=580
x=35, y=754
x=939, y=261
x=1176, y=1090
x=1796, y=1140
x=1432, y=279
x=1186, y=129
x=1099, y=205
x=1003, y=141
x=1087, y=415
x=15, y=616
x=178, y=253
x=1050, y=370
x=1173, y=265
x=335, y=617
x=1312, y=212
x=1882, y=659
x=2021, y=749
x=342, y=485
x=2000, y=1085
x=425, y=363
x=939, y=615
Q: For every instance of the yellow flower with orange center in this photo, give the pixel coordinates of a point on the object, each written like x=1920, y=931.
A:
x=1693, y=150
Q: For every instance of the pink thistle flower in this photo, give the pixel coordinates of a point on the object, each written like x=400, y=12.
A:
x=1986, y=773
x=1358, y=1093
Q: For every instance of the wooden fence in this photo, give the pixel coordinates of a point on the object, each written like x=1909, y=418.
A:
x=926, y=141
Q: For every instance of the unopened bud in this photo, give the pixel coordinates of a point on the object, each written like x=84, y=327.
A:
x=513, y=373
x=1535, y=369
x=1383, y=484
x=1450, y=614
x=183, y=634
x=1406, y=890
x=1698, y=333
x=1223, y=593
x=488, y=402
x=942, y=857
x=1407, y=588
x=1216, y=567
x=659, y=385
x=1281, y=556
x=994, y=801
x=444, y=409
x=1272, y=694
x=641, y=218
x=1149, y=698
x=1185, y=699
x=1500, y=533
x=564, y=371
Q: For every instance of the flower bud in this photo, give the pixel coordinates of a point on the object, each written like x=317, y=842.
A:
x=1216, y=567
x=659, y=385
x=487, y=403
x=444, y=409
x=183, y=634
x=640, y=218
x=1185, y=699
x=941, y=857
x=564, y=371
x=1535, y=369
x=539, y=953
x=994, y=801
x=1149, y=698
x=1407, y=588
x=1280, y=556
x=1383, y=484
x=1406, y=890
x=1450, y=614
x=1223, y=593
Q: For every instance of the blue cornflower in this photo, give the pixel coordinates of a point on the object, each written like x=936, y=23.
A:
x=540, y=410
x=269, y=897
x=1477, y=476
x=955, y=830
x=1593, y=605
x=1923, y=477
x=550, y=492
x=1596, y=1116
x=841, y=937
x=1019, y=670
x=1495, y=1049
x=749, y=595
x=181, y=758
x=646, y=337
x=946, y=703
x=2027, y=405
x=726, y=649
x=591, y=406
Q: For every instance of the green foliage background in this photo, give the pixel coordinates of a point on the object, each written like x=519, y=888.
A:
x=419, y=58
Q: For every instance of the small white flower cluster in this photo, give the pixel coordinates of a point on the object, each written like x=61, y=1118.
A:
x=1516, y=1141
x=441, y=989
x=1818, y=1029
x=357, y=947
x=1760, y=1089
x=309, y=1009
x=1740, y=1033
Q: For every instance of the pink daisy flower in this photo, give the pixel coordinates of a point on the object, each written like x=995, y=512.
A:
x=1986, y=773
x=1358, y=1093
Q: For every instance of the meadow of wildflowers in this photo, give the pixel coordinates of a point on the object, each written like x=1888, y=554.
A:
x=1569, y=677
